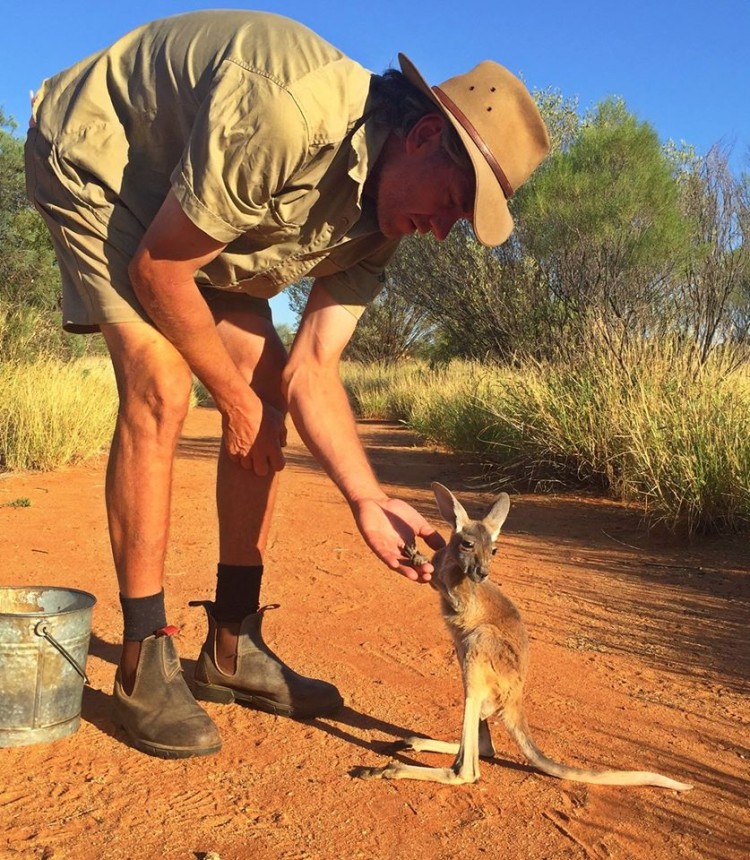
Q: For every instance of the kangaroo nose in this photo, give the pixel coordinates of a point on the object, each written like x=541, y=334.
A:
x=478, y=573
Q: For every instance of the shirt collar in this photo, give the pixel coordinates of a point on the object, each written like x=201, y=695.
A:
x=366, y=142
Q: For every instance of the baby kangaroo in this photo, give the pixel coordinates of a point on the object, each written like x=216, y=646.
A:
x=492, y=648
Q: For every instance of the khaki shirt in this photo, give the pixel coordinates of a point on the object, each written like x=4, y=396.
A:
x=260, y=128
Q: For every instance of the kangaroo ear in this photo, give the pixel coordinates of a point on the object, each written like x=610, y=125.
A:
x=497, y=515
x=451, y=510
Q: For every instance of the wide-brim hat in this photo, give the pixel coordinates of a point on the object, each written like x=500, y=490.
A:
x=502, y=130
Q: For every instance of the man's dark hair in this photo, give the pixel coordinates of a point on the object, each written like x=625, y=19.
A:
x=401, y=105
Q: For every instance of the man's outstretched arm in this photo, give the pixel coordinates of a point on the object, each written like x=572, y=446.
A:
x=320, y=409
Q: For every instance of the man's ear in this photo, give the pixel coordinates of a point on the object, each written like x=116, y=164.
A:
x=425, y=134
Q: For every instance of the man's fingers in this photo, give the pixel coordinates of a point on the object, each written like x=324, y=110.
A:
x=395, y=563
x=278, y=462
x=414, y=574
x=260, y=466
x=262, y=463
x=407, y=572
x=255, y=464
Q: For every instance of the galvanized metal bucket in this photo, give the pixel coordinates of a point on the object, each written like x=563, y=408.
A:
x=44, y=641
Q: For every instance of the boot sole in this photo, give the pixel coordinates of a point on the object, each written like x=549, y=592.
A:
x=228, y=696
x=172, y=752
x=169, y=752
x=163, y=751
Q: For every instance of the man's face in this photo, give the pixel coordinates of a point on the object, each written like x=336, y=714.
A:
x=418, y=188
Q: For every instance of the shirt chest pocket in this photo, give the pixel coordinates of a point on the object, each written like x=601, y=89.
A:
x=280, y=224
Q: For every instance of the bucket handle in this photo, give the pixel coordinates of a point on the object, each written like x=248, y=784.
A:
x=41, y=630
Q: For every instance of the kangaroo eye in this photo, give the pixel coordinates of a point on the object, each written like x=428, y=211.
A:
x=467, y=544
x=494, y=550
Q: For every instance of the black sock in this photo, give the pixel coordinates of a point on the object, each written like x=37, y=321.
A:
x=143, y=616
x=237, y=591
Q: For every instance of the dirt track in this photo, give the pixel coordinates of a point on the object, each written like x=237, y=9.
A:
x=640, y=659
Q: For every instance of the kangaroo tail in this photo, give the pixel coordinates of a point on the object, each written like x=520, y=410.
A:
x=516, y=725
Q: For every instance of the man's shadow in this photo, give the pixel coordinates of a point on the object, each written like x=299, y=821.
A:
x=96, y=705
x=346, y=724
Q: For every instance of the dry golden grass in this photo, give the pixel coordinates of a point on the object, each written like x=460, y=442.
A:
x=656, y=426
x=53, y=413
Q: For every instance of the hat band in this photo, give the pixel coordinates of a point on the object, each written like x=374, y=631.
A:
x=476, y=137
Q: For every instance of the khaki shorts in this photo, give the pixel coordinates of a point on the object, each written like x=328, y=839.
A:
x=93, y=254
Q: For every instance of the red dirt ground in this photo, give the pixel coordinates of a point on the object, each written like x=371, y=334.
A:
x=639, y=658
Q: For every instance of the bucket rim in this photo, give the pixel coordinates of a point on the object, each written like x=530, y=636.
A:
x=78, y=591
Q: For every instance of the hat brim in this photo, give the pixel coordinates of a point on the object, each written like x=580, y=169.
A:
x=492, y=220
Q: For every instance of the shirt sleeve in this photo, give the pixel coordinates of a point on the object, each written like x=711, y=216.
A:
x=355, y=286
x=248, y=138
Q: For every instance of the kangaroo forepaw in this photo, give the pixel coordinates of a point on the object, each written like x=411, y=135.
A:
x=413, y=556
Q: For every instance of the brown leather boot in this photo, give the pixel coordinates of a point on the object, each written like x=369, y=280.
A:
x=160, y=716
x=260, y=680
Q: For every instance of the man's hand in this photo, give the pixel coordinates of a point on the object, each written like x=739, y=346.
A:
x=389, y=525
x=254, y=434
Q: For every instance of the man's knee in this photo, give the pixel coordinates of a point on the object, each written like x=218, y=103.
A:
x=163, y=396
x=154, y=382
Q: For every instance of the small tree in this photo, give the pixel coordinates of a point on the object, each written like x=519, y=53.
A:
x=391, y=328
x=479, y=301
x=602, y=219
x=714, y=292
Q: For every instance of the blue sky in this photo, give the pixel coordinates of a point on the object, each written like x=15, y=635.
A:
x=682, y=66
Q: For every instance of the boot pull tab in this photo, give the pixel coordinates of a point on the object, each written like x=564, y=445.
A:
x=169, y=630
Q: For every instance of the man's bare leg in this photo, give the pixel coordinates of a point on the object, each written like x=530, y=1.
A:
x=153, y=383
x=151, y=700
x=245, y=505
x=244, y=500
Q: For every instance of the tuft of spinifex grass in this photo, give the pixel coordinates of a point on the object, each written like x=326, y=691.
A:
x=655, y=427
x=53, y=413
x=651, y=425
x=689, y=449
x=384, y=391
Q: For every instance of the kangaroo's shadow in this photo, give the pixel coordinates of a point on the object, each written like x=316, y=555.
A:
x=348, y=717
x=346, y=725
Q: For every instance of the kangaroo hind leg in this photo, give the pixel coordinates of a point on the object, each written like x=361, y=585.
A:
x=465, y=768
x=418, y=744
